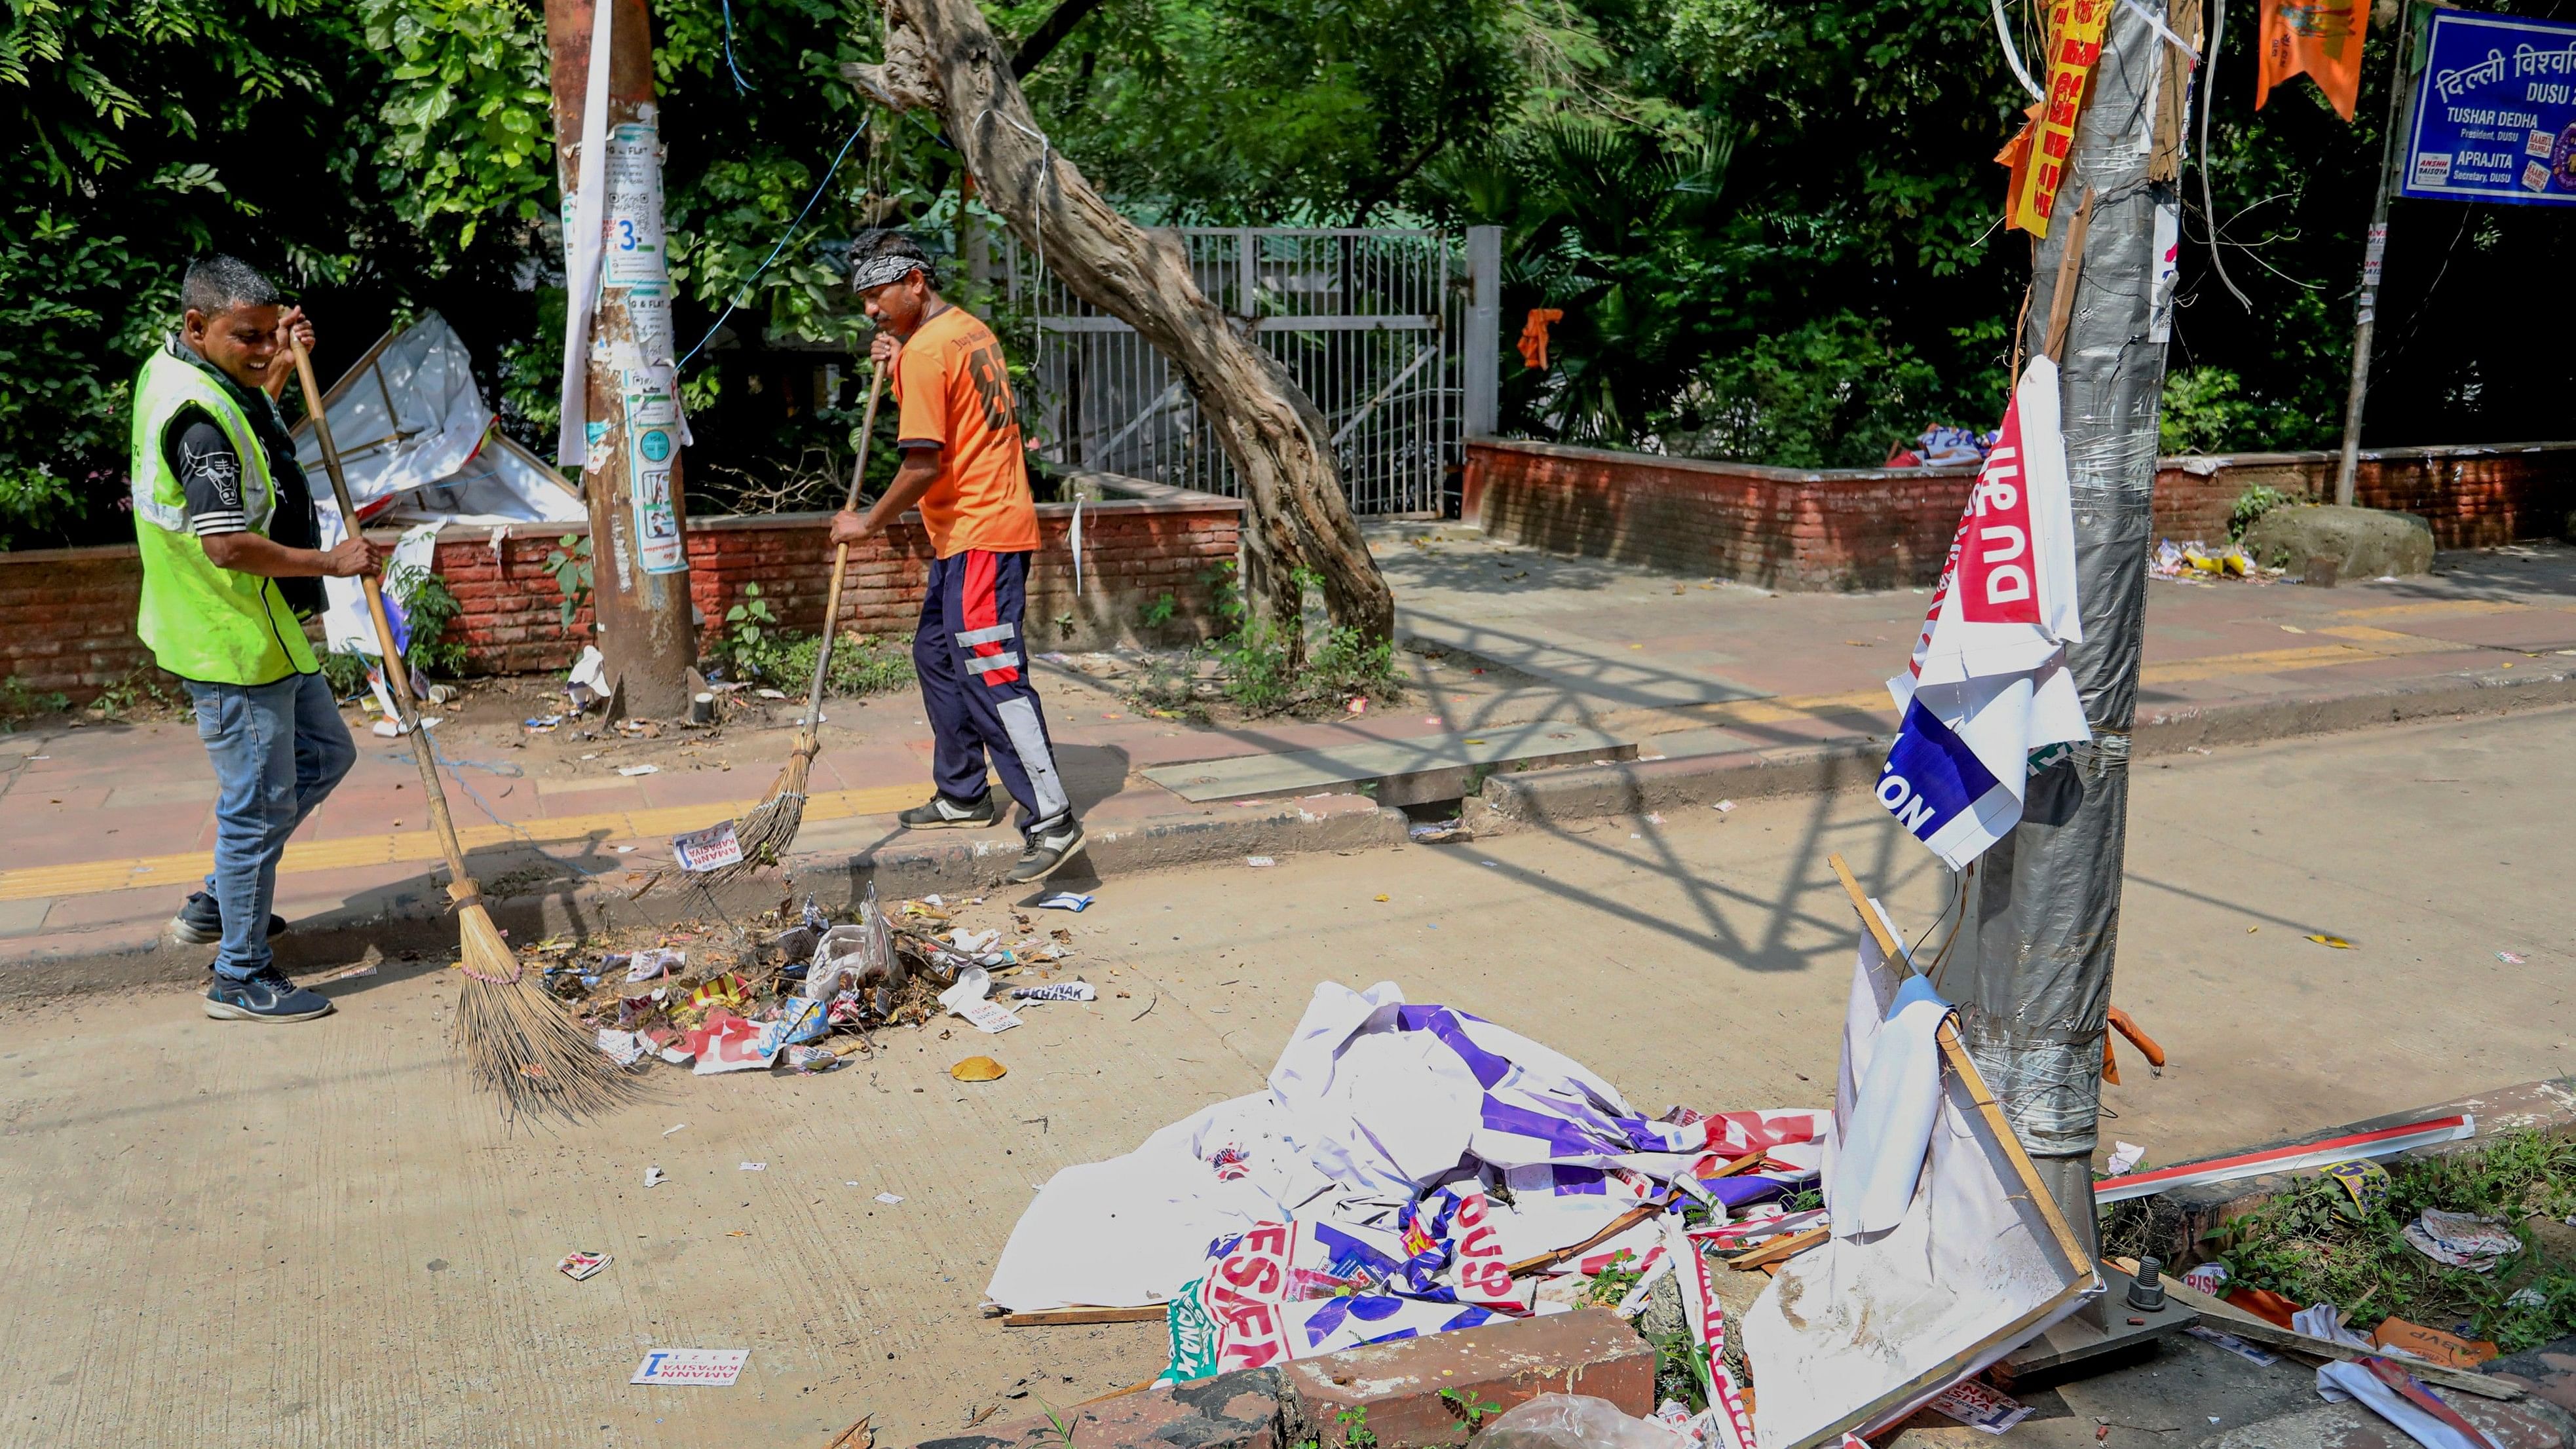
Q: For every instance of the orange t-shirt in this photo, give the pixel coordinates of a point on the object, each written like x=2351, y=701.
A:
x=953, y=393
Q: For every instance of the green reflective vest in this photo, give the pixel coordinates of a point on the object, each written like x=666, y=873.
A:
x=204, y=622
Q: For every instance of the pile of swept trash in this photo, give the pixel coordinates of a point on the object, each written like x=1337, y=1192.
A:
x=2197, y=562
x=803, y=997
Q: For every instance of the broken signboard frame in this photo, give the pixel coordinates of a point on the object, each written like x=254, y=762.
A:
x=1889, y=1335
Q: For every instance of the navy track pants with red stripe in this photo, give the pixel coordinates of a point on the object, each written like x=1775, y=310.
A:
x=969, y=653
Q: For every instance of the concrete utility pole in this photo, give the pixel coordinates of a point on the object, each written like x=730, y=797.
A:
x=2045, y=908
x=630, y=449
x=2366, y=307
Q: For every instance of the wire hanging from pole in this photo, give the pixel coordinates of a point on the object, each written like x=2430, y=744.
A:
x=2208, y=102
x=2012, y=57
x=741, y=87
x=742, y=292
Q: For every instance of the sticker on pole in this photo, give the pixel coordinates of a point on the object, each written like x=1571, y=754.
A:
x=652, y=418
x=635, y=206
x=713, y=848
x=714, y=1368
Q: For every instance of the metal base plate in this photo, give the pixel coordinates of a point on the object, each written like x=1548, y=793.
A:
x=2062, y=1351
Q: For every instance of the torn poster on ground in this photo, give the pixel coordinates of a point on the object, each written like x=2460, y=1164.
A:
x=1402, y=1156
x=1987, y=698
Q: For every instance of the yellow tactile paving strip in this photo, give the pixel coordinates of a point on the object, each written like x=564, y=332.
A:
x=91, y=877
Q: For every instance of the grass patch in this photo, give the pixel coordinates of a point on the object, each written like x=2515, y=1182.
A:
x=861, y=664
x=2312, y=1244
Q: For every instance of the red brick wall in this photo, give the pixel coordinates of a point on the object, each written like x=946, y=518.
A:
x=67, y=615
x=1879, y=527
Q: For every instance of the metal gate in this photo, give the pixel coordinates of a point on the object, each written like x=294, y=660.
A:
x=1364, y=320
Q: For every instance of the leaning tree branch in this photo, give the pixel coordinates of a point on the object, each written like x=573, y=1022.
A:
x=1050, y=33
x=941, y=55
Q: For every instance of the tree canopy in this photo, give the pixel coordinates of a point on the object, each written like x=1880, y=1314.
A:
x=1771, y=226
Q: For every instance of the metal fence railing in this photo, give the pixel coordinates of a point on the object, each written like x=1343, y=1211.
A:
x=1366, y=321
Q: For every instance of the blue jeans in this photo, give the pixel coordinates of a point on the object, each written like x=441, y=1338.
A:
x=277, y=750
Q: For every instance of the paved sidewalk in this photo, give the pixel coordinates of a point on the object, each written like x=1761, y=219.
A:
x=1718, y=684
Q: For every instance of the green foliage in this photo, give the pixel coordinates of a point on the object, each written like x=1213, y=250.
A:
x=139, y=692
x=1268, y=672
x=1356, y=1434
x=345, y=673
x=568, y=564
x=2251, y=505
x=19, y=702
x=862, y=664
x=753, y=645
x=1769, y=225
x=1471, y=1410
x=429, y=608
x=1158, y=613
x=1831, y=394
x=467, y=124
x=2302, y=1245
x=2205, y=410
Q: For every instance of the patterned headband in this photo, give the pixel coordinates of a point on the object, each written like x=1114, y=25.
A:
x=878, y=271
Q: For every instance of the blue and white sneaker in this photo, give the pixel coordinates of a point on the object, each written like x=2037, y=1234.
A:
x=268, y=996
x=201, y=922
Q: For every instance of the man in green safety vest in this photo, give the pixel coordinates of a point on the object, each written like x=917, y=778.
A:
x=223, y=518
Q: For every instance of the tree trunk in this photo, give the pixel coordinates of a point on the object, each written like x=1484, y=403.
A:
x=940, y=54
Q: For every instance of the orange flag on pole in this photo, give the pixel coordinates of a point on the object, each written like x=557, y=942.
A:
x=2321, y=38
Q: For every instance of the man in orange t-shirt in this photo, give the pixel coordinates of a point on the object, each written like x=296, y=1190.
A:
x=965, y=467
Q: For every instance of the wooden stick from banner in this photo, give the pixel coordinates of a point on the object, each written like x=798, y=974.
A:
x=1618, y=1225
x=1779, y=1249
x=2224, y=1317
x=1052, y=1317
x=1956, y=1056
x=2070, y=274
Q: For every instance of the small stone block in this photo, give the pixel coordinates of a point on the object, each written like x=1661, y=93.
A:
x=1591, y=1351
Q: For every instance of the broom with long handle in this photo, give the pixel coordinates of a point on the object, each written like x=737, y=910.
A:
x=771, y=826
x=517, y=1039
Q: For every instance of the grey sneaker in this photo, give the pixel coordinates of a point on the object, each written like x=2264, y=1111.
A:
x=201, y=923
x=1047, y=850
x=268, y=996
x=942, y=813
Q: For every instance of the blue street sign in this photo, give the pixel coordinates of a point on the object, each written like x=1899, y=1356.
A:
x=2495, y=112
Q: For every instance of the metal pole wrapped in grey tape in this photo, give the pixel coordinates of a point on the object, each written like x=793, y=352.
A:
x=2047, y=898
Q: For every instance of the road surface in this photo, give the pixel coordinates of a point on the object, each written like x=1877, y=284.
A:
x=318, y=1235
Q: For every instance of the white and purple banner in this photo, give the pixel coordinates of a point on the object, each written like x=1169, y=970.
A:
x=1988, y=686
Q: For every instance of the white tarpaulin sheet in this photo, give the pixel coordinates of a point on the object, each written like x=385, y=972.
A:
x=416, y=441
x=1988, y=687
x=1373, y=1104
x=1856, y=1333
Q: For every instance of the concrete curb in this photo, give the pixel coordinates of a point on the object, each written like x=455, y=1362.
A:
x=1588, y=791
x=413, y=918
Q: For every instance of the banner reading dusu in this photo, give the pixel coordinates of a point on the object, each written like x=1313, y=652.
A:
x=1988, y=685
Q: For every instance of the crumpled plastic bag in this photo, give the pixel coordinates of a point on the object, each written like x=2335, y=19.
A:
x=1574, y=1421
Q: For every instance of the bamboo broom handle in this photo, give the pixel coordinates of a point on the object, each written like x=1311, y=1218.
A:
x=841, y=562
x=397, y=672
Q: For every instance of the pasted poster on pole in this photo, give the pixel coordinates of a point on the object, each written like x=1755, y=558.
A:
x=2074, y=46
x=2495, y=112
x=635, y=206
x=653, y=426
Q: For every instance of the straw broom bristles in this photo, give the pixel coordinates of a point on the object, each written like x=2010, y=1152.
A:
x=518, y=1040
x=770, y=827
